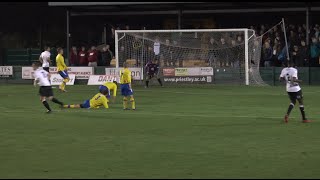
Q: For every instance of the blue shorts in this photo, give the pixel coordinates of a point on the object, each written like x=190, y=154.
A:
x=85, y=104
x=125, y=90
x=63, y=74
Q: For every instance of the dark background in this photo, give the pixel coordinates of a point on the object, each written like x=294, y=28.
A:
x=33, y=24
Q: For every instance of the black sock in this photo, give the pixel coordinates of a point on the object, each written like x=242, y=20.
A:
x=147, y=83
x=303, y=114
x=45, y=103
x=159, y=80
x=291, y=106
x=56, y=101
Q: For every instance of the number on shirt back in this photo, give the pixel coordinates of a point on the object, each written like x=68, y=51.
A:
x=292, y=83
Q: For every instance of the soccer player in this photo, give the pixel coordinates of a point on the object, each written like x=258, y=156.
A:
x=290, y=75
x=126, y=88
x=42, y=79
x=152, y=70
x=45, y=58
x=98, y=100
x=62, y=69
x=112, y=86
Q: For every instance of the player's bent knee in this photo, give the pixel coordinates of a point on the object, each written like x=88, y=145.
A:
x=66, y=80
x=50, y=98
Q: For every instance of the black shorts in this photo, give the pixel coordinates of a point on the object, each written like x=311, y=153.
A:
x=295, y=96
x=46, y=91
x=46, y=68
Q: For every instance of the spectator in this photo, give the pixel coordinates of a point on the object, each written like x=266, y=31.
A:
x=176, y=55
x=234, y=54
x=106, y=56
x=267, y=55
x=239, y=40
x=296, y=57
x=212, y=46
x=83, y=61
x=149, y=55
x=167, y=52
x=263, y=28
x=276, y=51
x=304, y=53
x=74, y=57
x=224, y=56
x=293, y=39
x=317, y=31
x=314, y=52
x=127, y=27
x=111, y=39
x=156, y=49
x=93, y=57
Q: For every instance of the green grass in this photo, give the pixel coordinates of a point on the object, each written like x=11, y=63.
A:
x=192, y=132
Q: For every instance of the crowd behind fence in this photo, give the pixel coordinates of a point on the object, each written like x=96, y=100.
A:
x=273, y=53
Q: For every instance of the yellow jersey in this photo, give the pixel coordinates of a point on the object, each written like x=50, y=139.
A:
x=125, y=76
x=111, y=86
x=99, y=100
x=61, y=66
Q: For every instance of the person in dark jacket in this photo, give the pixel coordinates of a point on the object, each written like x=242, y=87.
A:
x=106, y=56
x=267, y=55
x=304, y=53
x=74, y=57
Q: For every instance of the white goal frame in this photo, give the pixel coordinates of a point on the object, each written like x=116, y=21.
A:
x=246, y=41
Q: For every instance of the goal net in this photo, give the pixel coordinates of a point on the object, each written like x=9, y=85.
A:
x=208, y=56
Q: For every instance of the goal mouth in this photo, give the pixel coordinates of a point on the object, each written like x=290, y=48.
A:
x=235, y=50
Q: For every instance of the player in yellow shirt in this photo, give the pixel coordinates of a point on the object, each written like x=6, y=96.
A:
x=62, y=69
x=98, y=100
x=112, y=86
x=126, y=88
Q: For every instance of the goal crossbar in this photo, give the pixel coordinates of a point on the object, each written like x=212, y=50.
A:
x=183, y=30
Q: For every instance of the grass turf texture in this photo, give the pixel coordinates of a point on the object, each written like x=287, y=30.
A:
x=210, y=132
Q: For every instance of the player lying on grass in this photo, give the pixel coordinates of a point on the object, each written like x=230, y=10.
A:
x=290, y=75
x=98, y=100
x=42, y=79
x=62, y=69
x=112, y=86
x=152, y=70
x=126, y=88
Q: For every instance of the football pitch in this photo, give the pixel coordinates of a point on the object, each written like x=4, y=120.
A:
x=176, y=132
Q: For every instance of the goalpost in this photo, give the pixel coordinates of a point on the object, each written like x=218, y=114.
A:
x=191, y=54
